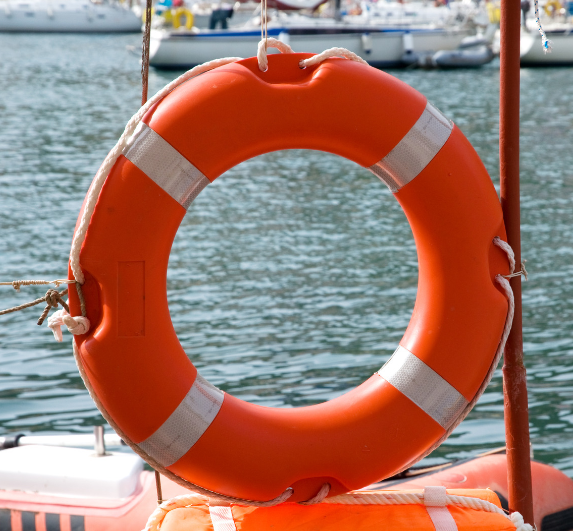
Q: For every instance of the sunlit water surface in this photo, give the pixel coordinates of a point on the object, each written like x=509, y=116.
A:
x=293, y=277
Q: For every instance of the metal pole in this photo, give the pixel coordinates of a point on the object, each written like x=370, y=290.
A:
x=514, y=380
x=158, y=488
x=144, y=87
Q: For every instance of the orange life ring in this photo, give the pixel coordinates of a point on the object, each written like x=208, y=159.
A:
x=132, y=360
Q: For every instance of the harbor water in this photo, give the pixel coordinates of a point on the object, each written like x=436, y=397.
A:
x=293, y=276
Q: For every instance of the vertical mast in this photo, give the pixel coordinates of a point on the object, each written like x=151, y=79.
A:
x=514, y=380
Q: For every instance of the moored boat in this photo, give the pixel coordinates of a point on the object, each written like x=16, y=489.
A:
x=50, y=488
x=560, y=36
x=68, y=16
x=380, y=46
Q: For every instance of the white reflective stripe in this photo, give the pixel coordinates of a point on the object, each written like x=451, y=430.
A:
x=442, y=519
x=222, y=519
x=186, y=424
x=415, y=151
x=164, y=165
x=423, y=386
x=435, y=502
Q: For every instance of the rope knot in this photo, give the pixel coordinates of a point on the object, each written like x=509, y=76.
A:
x=76, y=325
x=17, y=284
x=53, y=297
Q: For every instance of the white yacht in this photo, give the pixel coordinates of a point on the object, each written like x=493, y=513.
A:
x=381, y=45
x=560, y=34
x=70, y=16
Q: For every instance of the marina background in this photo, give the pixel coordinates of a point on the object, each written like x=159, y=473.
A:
x=293, y=277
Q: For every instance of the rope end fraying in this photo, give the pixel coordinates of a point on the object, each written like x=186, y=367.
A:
x=547, y=45
x=76, y=325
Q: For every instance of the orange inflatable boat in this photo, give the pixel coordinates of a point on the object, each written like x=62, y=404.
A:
x=131, y=497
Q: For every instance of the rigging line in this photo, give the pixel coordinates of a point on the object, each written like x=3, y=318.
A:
x=145, y=53
x=266, y=26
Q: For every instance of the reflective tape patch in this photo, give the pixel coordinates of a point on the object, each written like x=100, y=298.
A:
x=423, y=386
x=186, y=424
x=415, y=151
x=164, y=165
x=442, y=519
x=222, y=518
x=435, y=502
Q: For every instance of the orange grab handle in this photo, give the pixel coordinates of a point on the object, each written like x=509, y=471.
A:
x=138, y=371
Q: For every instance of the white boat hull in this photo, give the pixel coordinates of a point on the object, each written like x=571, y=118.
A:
x=532, y=53
x=178, y=50
x=68, y=17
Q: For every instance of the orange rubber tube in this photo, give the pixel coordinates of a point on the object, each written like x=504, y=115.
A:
x=132, y=359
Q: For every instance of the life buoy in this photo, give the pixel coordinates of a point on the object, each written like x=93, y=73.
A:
x=552, y=7
x=182, y=12
x=131, y=358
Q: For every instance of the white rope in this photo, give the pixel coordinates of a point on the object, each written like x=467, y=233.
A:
x=504, y=246
x=518, y=522
x=545, y=42
x=319, y=497
x=511, y=257
x=76, y=325
x=332, y=52
x=264, y=44
x=506, y=287
x=353, y=498
x=114, y=154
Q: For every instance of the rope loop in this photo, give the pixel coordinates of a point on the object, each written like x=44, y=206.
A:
x=264, y=44
x=504, y=246
x=332, y=52
x=319, y=496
